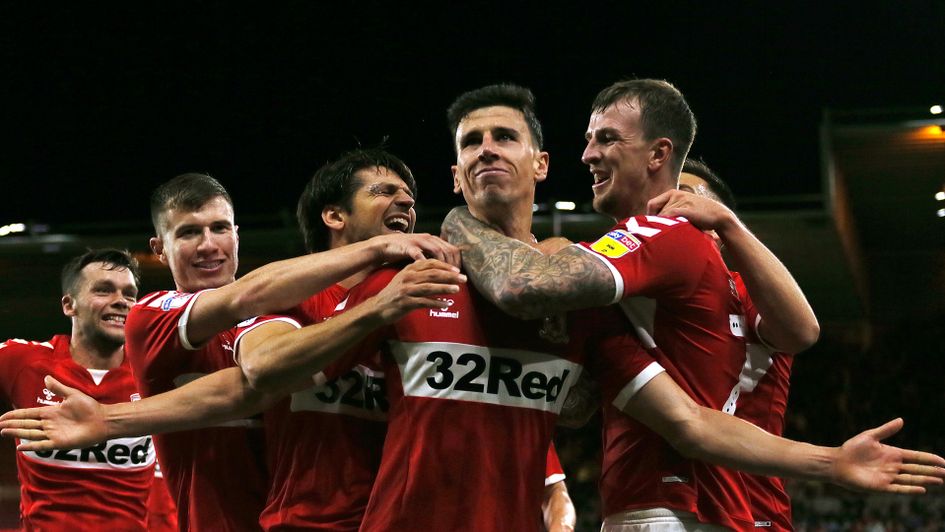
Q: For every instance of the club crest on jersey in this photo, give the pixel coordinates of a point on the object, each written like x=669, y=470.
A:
x=616, y=244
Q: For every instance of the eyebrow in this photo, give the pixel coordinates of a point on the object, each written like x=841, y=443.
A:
x=376, y=188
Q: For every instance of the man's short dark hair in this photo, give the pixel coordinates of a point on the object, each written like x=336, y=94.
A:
x=186, y=192
x=663, y=112
x=113, y=259
x=335, y=184
x=503, y=94
x=718, y=187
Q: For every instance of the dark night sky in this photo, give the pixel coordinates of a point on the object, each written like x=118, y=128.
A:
x=100, y=106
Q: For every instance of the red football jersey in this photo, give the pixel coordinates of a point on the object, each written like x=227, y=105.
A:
x=215, y=475
x=324, y=444
x=103, y=487
x=162, y=512
x=554, y=473
x=765, y=381
x=473, y=398
x=672, y=284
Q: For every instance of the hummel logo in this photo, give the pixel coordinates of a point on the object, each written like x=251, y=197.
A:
x=227, y=346
x=48, y=400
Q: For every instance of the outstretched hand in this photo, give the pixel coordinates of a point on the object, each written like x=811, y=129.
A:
x=78, y=421
x=864, y=463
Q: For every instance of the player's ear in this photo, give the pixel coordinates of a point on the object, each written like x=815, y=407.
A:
x=541, y=166
x=68, y=305
x=457, y=187
x=333, y=217
x=157, y=246
x=661, y=153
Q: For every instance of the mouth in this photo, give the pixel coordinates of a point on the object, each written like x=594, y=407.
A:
x=115, y=319
x=490, y=171
x=209, y=265
x=398, y=222
x=600, y=177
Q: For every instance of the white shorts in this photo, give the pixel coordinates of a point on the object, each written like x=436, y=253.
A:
x=657, y=520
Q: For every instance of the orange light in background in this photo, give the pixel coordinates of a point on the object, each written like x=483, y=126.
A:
x=932, y=132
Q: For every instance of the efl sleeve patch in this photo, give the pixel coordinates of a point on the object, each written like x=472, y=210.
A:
x=616, y=244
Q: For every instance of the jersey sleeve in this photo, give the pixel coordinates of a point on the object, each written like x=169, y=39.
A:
x=554, y=473
x=652, y=255
x=244, y=327
x=371, y=344
x=618, y=362
x=155, y=332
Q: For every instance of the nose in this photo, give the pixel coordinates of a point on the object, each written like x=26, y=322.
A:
x=119, y=301
x=488, y=150
x=207, y=242
x=591, y=153
x=403, y=199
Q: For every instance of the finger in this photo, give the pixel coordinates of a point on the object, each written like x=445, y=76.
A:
x=33, y=435
x=919, y=457
x=21, y=424
x=921, y=469
x=41, y=445
x=888, y=429
x=917, y=480
x=24, y=413
x=57, y=387
x=655, y=205
x=905, y=490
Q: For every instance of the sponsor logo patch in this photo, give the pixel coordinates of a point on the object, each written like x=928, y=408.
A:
x=616, y=244
x=175, y=301
x=736, y=323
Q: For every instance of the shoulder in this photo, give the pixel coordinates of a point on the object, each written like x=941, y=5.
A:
x=163, y=300
x=15, y=346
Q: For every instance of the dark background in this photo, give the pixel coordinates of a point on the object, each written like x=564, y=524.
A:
x=102, y=103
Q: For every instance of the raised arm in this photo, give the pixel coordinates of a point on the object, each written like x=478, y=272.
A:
x=519, y=279
x=283, y=284
x=281, y=358
x=862, y=463
x=787, y=321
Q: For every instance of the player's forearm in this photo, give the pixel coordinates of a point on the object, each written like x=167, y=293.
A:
x=557, y=509
x=519, y=279
x=789, y=323
x=277, y=286
x=210, y=400
x=286, y=362
x=731, y=442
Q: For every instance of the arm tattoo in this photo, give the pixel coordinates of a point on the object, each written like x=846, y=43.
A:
x=519, y=279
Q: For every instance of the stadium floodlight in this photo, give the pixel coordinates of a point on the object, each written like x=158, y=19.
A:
x=940, y=195
x=12, y=228
x=940, y=213
x=565, y=205
x=935, y=109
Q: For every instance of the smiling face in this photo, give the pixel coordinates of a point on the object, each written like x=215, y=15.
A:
x=382, y=203
x=100, y=303
x=497, y=162
x=619, y=158
x=200, y=247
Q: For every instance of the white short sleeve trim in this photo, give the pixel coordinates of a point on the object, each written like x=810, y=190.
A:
x=236, y=344
x=618, y=279
x=761, y=338
x=554, y=479
x=185, y=318
x=636, y=384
